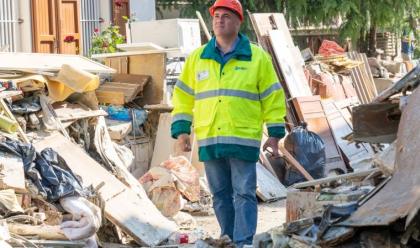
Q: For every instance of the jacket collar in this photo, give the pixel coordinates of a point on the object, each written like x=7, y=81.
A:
x=241, y=52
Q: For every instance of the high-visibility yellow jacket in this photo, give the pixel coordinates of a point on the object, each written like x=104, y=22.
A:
x=227, y=103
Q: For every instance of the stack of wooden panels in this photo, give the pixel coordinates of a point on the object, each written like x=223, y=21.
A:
x=388, y=43
x=124, y=89
x=362, y=78
x=332, y=121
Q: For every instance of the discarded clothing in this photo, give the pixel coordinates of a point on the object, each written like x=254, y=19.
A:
x=27, y=105
x=47, y=170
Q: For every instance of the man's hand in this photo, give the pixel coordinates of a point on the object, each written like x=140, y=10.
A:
x=273, y=144
x=183, y=143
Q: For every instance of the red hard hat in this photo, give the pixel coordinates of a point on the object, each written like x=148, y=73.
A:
x=233, y=5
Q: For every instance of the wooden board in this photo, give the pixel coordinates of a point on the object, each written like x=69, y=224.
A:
x=119, y=64
x=12, y=175
x=49, y=62
x=155, y=66
x=269, y=187
x=341, y=128
x=309, y=109
x=291, y=68
x=110, y=97
x=362, y=78
x=164, y=143
x=134, y=214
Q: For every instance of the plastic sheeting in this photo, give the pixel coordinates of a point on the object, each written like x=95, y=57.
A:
x=309, y=150
x=47, y=170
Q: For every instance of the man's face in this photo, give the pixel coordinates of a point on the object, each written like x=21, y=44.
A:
x=225, y=22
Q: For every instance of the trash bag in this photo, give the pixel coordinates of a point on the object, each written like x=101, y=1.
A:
x=309, y=150
x=47, y=170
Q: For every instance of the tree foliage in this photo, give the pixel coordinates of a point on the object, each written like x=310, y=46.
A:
x=359, y=16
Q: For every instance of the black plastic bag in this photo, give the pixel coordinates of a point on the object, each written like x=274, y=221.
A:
x=47, y=170
x=309, y=150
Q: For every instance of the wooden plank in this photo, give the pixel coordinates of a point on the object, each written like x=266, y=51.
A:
x=347, y=176
x=291, y=69
x=140, y=218
x=269, y=187
x=341, y=128
x=309, y=109
x=12, y=175
x=110, y=97
x=164, y=144
x=49, y=62
x=294, y=163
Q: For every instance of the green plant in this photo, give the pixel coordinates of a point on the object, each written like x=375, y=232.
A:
x=107, y=40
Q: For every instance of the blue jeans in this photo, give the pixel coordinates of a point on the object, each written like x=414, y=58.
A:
x=233, y=184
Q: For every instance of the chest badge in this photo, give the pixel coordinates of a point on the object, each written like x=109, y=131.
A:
x=201, y=75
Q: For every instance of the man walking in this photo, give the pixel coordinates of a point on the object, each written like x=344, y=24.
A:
x=228, y=88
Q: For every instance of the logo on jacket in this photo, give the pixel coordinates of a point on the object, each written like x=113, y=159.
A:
x=240, y=68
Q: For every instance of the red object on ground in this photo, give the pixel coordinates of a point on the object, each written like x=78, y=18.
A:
x=329, y=48
x=183, y=238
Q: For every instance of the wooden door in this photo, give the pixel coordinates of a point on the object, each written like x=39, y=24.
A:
x=69, y=26
x=56, y=25
x=44, y=26
x=120, y=8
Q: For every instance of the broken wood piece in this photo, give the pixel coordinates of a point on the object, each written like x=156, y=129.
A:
x=10, y=93
x=12, y=175
x=410, y=80
x=68, y=112
x=269, y=187
x=335, y=178
x=160, y=107
x=122, y=89
x=140, y=218
x=41, y=231
x=295, y=226
x=294, y=163
x=376, y=122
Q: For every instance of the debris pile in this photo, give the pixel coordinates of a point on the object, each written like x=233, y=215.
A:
x=64, y=179
x=367, y=195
